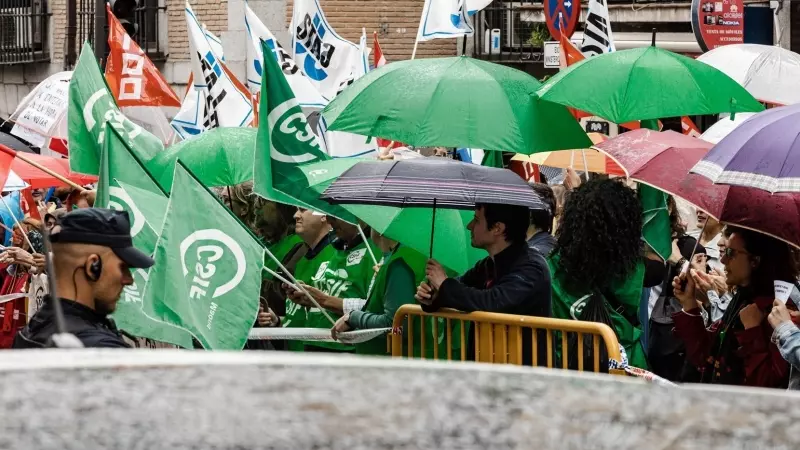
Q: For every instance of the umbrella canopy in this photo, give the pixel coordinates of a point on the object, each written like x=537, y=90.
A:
x=636, y=149
x=218, y=157
x=770, y=73
x=596, y=162
x=37, y=179
x=761, y=153
x=14, y=143
x=409, y=226
x=777, y=215
x=429, y=182
x=646, y=83
x=723, y=127
x=454, y=102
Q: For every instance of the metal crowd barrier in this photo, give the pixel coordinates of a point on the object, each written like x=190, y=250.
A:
x=499, y=338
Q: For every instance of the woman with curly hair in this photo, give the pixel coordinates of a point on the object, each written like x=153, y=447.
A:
x=599, y=256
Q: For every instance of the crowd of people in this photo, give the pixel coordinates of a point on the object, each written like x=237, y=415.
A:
x=706, y=314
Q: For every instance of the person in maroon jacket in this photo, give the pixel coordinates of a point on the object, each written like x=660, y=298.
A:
x=737, y=349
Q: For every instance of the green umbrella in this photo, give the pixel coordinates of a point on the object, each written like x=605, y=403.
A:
x=454, y=102
x=412, y=227
x=646, y=83
x=219, y=157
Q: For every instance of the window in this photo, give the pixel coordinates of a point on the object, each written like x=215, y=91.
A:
x=142, y=19
x=23, y=31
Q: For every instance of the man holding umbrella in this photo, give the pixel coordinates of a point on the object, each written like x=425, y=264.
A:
x=514, y=279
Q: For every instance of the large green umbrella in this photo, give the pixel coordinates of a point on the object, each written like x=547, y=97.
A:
x=218, y=157
x=454, y=102
x=412, y=227
x=646, y=83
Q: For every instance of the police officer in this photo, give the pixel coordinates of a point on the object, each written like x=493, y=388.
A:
x=92, y=256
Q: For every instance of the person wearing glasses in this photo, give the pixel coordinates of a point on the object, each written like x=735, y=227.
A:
x=737, y=348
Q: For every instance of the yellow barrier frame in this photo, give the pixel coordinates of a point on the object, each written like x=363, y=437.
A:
x=498, y=337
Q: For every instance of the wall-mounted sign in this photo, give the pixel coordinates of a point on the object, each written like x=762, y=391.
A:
x=562, y=14
x=718, y=22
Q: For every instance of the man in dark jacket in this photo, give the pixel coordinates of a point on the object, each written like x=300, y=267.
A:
x=92, y=256
x=514, y=279
x=540, y=237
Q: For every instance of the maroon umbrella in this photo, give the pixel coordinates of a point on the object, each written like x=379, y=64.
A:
x=777, y=215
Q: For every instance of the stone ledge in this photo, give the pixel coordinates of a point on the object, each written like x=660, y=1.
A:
x=189, y=399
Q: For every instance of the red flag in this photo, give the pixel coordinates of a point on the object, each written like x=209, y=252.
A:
x=7, y=157
x=28, y=205
x=377, y=54
x=689, y=128
x=380, y=60
x=131, y=76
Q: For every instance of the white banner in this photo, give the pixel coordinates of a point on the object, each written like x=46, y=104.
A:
x=305, y=92
x=324, y=57
x=597, y=36
x=42, y=109
x=444, y=19
x=217, y=102
x=315, y=334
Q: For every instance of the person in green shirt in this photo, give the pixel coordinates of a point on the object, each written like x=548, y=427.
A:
x=598, y=257
x=401, y=271
x=314, y=229
x=341, y=285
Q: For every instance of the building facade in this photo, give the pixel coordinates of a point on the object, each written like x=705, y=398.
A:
x=38, y=37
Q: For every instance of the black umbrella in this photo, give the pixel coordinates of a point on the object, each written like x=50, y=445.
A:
x=14, y=143
x=430, y=182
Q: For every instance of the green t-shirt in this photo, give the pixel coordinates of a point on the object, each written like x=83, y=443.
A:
x=627, y=293
x=280, y=249
x=348, y=275
x=296, y=315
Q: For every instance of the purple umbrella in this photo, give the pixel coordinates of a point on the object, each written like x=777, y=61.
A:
x=763, y=152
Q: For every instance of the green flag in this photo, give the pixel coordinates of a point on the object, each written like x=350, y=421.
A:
x=91, y=109
x=146, y=212
x=207, y=276
x=656, y=229
x=119, y=163
x=492, y=159
x=285, y=144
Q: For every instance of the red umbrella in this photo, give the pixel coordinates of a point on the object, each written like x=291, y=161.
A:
x=777, y=215
x=45, y=171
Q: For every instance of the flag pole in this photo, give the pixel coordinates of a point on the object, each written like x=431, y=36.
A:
x=301, y=289
x=41, y=167
x=21, y=230
x=369, y=249
x=585, y=166
x=414, y=52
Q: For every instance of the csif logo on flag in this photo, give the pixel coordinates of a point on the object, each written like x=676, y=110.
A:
x=119, y=200
x=309, y=35
x=112, y=116
x=208, y=265
x=289, y=120
x=133, y=293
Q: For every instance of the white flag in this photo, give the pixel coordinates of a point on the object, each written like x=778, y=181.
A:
x=340, y=144
x=473, y=6
x=215, y=43
x=305, y=92
x=444, y=19
x=597, y=37
x=324, y=57
x=219, y=99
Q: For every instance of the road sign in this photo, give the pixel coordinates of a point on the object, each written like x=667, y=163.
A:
x=562, y=14
x=552, y=54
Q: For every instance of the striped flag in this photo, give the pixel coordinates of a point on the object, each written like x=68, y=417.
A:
x=597, y=36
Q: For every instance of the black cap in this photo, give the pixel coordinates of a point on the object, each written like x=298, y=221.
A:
x=104, y=227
